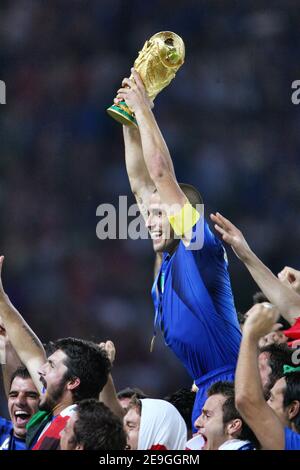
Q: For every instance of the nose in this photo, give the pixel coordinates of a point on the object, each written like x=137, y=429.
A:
x=198, y=423
x=149, y=221
x=21, y=400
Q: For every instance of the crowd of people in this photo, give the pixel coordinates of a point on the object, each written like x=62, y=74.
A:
x=244, y=369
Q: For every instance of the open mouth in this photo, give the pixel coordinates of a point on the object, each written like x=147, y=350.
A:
x=156, y=235
x=21, y=417
x=204, y=439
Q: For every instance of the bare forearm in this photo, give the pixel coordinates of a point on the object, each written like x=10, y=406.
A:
x=250, y=400
x=156, y=154
x=135, y=165
x=23, y=339
x=287, y=301
x=109, y=397
x=248, y=388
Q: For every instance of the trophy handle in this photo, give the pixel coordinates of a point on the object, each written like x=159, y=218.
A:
x=121, y=113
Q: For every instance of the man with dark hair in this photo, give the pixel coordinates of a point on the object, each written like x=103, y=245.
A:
x=125, y=395
x=192, y=295
x=77, y=369
x=220, y=424
x=81, y=359
x=93, y=426
x=275, y=423
x=285, y=401
x=271, y=360
x=183, y=400
x=23, y=401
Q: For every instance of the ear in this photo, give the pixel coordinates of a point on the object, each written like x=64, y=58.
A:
x=293, y=409
x=73, y=383
x=234, y=426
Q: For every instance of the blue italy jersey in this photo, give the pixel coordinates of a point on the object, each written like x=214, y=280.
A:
x=194, y=306
x=7, y=439
x=195, y=310
x=292, y=440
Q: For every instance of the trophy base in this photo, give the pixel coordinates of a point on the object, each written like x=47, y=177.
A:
x=122, y=114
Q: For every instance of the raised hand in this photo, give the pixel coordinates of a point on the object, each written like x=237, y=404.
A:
x=260, y=320
x=231, y=235
x=110, y=349
x=133, y=93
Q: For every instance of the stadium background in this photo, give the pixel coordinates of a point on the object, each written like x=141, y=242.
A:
x=228, y=120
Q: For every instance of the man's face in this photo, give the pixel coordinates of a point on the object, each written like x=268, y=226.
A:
x=67, y=436
x=159, y=227
x=132, y=421
x=52, y=376
x=276, y=401
x=23, y=402
x=210, y=423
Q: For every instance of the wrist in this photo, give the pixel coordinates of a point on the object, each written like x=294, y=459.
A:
x=247, y=255
x=143, y=112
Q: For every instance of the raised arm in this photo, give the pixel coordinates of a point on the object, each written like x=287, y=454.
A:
x=286, y=299
x=249, y=395
x=139, y=179
x=25, y=342
x=156, y=155
x=140, y=182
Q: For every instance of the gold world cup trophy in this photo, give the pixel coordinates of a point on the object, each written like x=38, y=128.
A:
x=157, y=63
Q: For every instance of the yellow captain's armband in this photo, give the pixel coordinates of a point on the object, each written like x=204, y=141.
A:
x=184, y=220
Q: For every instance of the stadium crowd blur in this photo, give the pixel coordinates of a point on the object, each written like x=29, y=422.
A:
x=230, y=125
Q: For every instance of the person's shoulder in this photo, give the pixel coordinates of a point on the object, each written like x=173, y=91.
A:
x=203, y=239
x=292, y=440
x=5, y=425
x=5, y=433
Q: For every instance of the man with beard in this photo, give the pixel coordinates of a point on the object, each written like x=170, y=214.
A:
x=75, y=370
x=23, y=401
